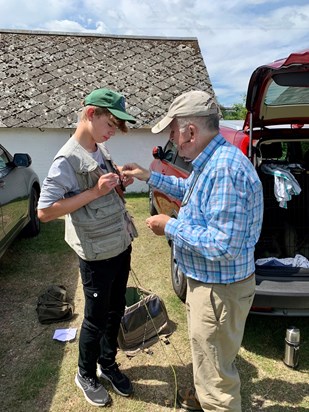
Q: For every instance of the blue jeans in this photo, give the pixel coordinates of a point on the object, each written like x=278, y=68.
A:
x=104, y=284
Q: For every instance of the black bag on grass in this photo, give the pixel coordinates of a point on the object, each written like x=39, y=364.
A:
x=144, y=322
x=52, y=305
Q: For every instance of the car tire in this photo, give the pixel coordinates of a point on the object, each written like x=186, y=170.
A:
x=179, y=280
x=152, y=209
x=33, y=227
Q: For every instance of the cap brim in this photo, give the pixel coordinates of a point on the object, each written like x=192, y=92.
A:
x=159, y=127
x=122, y=115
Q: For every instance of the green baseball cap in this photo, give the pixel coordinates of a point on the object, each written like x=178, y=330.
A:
x=114, y=102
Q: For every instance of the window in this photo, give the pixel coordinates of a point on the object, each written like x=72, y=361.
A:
x=4, y=160
x=286, y=95
x=170, y=150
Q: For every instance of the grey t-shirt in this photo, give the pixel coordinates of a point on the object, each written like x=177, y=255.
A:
x=61, y=181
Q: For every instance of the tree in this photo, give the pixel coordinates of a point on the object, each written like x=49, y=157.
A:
x=237, y=112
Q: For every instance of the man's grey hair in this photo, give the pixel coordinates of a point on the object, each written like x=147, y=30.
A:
x=210, y=123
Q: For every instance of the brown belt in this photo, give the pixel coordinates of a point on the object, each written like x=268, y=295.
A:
x=243, y=280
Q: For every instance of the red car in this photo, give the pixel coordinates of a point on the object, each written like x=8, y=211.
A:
x=275, y=136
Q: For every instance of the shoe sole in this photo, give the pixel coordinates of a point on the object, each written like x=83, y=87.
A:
x=187, y=407
x=102, y=375
x=108, y=402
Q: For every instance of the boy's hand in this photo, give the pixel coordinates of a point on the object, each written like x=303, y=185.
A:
x=106, y=183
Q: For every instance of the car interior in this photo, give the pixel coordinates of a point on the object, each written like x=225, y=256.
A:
x=283, y=169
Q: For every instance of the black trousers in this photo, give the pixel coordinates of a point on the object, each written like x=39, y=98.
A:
x=104, y=284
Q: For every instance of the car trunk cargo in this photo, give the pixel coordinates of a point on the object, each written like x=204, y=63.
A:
x=284, y=235
x=285, y=231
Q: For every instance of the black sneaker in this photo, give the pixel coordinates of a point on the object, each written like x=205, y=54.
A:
x=94, y=392
x=120, y=382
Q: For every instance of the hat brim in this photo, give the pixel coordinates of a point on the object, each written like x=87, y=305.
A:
x=163, y=123
x=122, y=115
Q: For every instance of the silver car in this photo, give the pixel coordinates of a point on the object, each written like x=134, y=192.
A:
x=19, y=193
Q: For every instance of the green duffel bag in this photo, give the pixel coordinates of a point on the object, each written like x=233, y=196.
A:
x=52, y=305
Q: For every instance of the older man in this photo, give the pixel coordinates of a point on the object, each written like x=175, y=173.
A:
x=214, y=237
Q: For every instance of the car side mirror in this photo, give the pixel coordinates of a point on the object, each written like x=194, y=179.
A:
x=22, y=160
x=158, y=152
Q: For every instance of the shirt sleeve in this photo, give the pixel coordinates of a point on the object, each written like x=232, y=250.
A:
x=60, y=182
x=220, y=230
x=174, y=186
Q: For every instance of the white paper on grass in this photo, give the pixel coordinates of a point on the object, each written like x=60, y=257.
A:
x=64, y=335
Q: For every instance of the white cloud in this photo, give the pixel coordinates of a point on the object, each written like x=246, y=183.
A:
x=62, y=26
x=30, y=13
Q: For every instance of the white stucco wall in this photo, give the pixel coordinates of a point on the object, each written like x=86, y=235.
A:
x=135, y=146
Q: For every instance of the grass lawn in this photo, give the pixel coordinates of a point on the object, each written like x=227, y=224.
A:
x=37, y=372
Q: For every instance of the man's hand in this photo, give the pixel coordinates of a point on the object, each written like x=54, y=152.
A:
x=157, y=223
x=135, y=170
x=125, y=180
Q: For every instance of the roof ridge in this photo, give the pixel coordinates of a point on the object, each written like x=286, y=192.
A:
x=92, y=34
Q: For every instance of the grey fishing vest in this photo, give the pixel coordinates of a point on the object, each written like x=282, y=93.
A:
x=98, y=230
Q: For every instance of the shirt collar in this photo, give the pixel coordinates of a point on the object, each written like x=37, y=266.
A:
x=200, y=161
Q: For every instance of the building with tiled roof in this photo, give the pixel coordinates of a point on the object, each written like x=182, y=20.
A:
x=44, y=77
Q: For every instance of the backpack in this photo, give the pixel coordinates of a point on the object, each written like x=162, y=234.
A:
x=52, y=305
x=145, y=321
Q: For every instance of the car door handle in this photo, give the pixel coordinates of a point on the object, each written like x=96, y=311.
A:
x=2, y=183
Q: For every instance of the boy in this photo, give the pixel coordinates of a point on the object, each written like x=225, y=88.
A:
x=84, y=185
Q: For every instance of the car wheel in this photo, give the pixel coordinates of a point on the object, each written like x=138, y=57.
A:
x=33, y=227
x=179, y=280
x=152, y=209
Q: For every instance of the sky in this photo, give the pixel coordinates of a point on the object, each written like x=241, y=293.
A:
x=235, y=36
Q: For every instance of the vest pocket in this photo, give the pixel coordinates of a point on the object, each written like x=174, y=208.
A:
x=105, y=240
x=103, y=207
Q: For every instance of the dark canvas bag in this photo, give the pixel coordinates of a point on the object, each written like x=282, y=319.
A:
x=52, y=305
x=144, y=322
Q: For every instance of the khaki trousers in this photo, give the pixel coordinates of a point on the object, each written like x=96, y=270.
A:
x=216, y=319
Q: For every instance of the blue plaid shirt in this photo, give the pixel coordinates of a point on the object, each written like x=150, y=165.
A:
x=220, y=219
